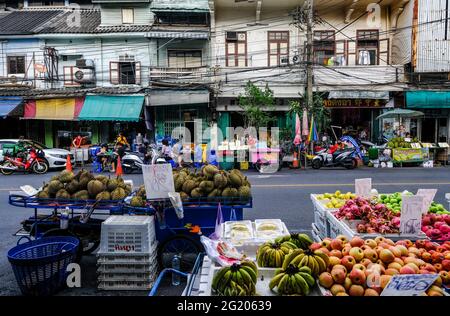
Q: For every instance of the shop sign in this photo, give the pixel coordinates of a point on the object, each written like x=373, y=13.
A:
x=354, y=103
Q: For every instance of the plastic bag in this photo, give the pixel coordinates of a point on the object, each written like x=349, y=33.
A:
x=221, y=252
x=219, y=221
x=177, y=204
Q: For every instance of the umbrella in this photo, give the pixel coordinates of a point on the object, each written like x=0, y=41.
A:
x=398, y=113
x=313, y=136
x=298, y=136
x=305, y=131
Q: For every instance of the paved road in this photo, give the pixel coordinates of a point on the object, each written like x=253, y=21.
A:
x=283, y=195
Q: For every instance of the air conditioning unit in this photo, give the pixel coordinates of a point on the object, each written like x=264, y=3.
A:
x=296, y=59
x=85, y=76
x=231, y=36
x=85, y=63
x=284, y=60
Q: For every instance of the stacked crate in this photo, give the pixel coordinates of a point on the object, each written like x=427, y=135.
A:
x=127, y=259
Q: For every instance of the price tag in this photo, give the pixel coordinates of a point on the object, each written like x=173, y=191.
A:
x=29, y=190
x=409, y=284
x=363, y=187
x=158, y=180
x=411, y=215
x=428, y=198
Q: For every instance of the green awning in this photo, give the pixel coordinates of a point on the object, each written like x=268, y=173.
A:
x=112, y=108
x=180, y=6
x=428, y=99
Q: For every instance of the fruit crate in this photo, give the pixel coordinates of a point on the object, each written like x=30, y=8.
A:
x=339, y=227
x=134, y=277
x=321, y=223
x=127, y=258
x=127, y=268
x=125, y=285
x=315, y=233
x=128, y=234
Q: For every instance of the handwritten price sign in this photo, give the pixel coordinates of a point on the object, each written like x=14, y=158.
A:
x=409, y=284
x=411, y=216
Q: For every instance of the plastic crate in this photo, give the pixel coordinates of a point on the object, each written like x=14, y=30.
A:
x=126, y=268
x=125, y=285
x=134, y=277
x=315, y=233
x=127, y=258
x=321, y=223
x=128, y=234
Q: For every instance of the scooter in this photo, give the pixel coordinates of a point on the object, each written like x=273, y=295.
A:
x=33, y=162
x=341, y=158
x=133, y=161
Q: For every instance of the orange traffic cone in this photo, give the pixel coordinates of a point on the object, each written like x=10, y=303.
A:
x=68, y=163
x=295, y=162
x=119, y=170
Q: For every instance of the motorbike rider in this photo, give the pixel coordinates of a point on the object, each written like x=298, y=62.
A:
x=20, y=149
x=336, y=147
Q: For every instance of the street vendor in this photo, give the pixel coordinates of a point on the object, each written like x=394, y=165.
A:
x=121, y=141
x=78, y=141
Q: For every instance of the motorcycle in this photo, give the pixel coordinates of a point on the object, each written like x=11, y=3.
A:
x=33, y=161
x=341, y=158
x=133, y=161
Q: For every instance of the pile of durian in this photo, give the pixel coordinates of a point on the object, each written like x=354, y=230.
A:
x=84, y=186
x=207, y=184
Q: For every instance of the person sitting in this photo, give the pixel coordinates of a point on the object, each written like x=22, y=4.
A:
x=103, y=156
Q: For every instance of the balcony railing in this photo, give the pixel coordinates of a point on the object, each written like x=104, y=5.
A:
x=180, y=74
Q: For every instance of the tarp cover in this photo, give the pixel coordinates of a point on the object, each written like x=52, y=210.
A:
x=112, y=108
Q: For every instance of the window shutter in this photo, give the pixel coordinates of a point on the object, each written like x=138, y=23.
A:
x=138, y=72
x=114, y=72
x=384, y=52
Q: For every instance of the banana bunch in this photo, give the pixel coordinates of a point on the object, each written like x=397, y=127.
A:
x=292, y=281
x=302, y=241
x=317, y=261
x=236, y=280
x=271, y=255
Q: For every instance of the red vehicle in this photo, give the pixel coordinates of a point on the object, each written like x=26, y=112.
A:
x=32, y=160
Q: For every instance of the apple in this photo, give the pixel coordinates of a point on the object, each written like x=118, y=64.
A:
x=342, y=294
x=403, y=250
x=360, y=266
x=412, y=266
x=384, y=280
x=407, y=270
x=395, y=266
x=429, y=267
x=371, y=243
x=380, y=239
x=315, y=246
x=386, y=256
x=414, y=250
x=326, y=243
x=348, y=262
x=326, y=280
x=389, y=241
x=357, y=242
x=366, y=262
x=384, y=245
x=391, y=271
x=343, y=238
x=437, y=257
x=426, y=256
x=335, y=253
x=325, y=251
x=333, y=261
x=346, y=250
x=357, y=253
x=371, y=292
x=356, y=290
x=340, y=266
x=371, y=255
x=445, y=276
x=338, y=275
x=438, y=281
x=347, y=283
x=357, y=277
x=337, y=288
x=438, y=266
x=446, y=265
x=336, y=244
x=399, y=261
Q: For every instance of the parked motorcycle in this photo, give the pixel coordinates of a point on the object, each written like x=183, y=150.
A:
x=133, y=161
x=341, y=158
x=33, y=161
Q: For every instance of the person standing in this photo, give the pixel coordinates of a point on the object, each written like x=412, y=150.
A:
x=121, y=141
x=77, y=141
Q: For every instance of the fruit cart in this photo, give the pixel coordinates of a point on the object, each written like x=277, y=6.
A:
x=64, y=217
x=182, y=236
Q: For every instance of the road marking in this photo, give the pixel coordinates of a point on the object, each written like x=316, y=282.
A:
x=341, y=184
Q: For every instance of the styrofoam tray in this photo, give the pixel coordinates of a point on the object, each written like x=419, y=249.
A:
x=271, y=233
x=228, y=228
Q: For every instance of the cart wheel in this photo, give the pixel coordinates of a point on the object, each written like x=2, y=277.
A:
x=185, y=246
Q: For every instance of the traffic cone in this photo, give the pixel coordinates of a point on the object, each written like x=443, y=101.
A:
x=68, y=163
x=119, y=170
x=295, y=162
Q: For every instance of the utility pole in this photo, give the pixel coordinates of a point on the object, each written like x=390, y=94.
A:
x=309, y=54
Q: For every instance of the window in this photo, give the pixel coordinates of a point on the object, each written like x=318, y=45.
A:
x=69, y=76
x=171, y=18
x=16, y=65
x=367, y=47
x=278, y=47
x=324, y=47
x=185, y=59
x=125, y=72
x=236, y=49
x=38, y=3
x=127, y=16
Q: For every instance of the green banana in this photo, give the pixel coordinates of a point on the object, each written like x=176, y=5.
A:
x=302, y=283
x=276, y=280
x=250, y=264
x=290, y=257
x=219, y=275
x=282, y=284
x=245, y=276
x=308, y=278
x=239, y=279
x=250, y=272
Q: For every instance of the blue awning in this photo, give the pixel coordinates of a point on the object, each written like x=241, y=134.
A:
x=8, y=105
x=428, y=99
x=126, y=108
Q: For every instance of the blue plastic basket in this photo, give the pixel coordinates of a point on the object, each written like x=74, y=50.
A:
x=40, y=265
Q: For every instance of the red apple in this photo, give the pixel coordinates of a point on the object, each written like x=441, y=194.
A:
x=348, y=262
x=338, y=275
x=407, y=270
x=335, y=253
x=315, y=246
x=357, y=242
x=356, y=290
x=357, y=277
x=386, y=256
x=326, y=280
x=336, y=244
x=357, y=253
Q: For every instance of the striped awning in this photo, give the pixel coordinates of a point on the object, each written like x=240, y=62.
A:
x=62, y=109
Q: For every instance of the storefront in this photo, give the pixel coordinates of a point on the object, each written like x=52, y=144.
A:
x=354, y=112
x=11, y=109
x=434, y=126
